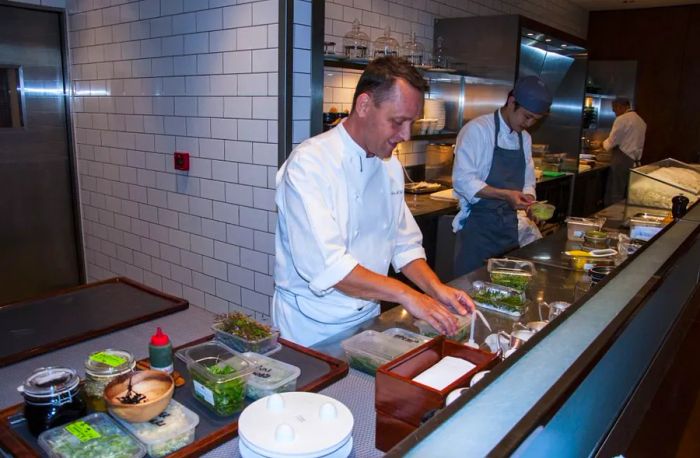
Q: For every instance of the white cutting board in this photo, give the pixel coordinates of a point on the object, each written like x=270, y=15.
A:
x=447, y=194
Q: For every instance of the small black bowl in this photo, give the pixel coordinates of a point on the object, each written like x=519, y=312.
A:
x=598, y=273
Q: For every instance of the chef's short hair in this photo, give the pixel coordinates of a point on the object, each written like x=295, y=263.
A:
x=622, y=101
x=379, y=77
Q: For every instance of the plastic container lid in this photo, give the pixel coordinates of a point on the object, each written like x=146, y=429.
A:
x=370, y=349
x=200, y=357
x=49, y=382
x=171, y=425
x=269, y=374
x=109, y=362
x=94, y=435
x=410, y=338
x=273, y=426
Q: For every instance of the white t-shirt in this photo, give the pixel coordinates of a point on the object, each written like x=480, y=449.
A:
x=628, y=131
x=336, y=208
x=473, y=158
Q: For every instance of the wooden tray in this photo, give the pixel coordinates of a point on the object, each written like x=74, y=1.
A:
x=317, y=372
x=46, y=323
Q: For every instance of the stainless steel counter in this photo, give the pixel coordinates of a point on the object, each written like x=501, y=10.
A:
x=422, y=204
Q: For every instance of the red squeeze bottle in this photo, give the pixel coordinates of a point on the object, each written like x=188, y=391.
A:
x=160, y=352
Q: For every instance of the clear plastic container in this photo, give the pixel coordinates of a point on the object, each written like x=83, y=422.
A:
x=644, y=228
x=263, y=346
x=166, y=433
x=576, y=227
x=368, y=350
x=498, y=298
x=219, y=376
x=408, y=337
x=92, y=436
x=101, y=368
x=654, y=185
x=461, y=335
x=270, y=376
x=511, y=273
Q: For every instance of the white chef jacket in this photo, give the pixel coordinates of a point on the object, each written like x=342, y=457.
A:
x=473, y=157
x=336, y=208
x=628, y=131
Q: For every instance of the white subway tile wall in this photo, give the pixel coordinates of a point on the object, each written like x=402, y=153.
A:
x=155, y=76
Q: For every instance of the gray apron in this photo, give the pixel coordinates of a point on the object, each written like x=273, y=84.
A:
x=491, y=229
x=618, y=176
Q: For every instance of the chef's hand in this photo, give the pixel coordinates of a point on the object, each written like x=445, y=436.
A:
x=518, y=200
x=458, y=300
x=426, y=308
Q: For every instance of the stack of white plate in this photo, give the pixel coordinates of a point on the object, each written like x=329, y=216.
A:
x=435, y=109
x=296, y=425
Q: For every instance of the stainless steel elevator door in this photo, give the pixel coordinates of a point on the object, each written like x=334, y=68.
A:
x=38, y=239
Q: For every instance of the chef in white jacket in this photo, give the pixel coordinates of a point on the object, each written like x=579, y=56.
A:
x=626, y=142
x=342, y=219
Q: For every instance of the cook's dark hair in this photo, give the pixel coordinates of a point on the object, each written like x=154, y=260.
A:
x=379, y=77
x=622, y=101
x=515, y=102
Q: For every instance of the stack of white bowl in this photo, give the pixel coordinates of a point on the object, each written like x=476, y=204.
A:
x=435, y=109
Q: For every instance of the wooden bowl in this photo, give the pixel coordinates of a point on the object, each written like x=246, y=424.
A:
x=157, y=386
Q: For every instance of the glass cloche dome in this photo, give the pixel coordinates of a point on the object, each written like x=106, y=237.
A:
x=356, y=42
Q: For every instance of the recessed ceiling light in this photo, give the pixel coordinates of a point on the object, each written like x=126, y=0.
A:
x=564, y=45
x=547, y=40
x=529, y=34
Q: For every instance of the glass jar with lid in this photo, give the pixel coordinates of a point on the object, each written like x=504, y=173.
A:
x=355, y=42
x=413, y=50
x=101, y=368
x=51, y=398
x=386, y=45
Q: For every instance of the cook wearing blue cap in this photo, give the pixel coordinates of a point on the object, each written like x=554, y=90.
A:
x=494, y=175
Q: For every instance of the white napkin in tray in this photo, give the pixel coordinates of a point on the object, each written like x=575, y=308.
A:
x=446, y=371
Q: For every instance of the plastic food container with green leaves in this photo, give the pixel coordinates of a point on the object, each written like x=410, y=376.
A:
x=511, y=272
x=94, y=435
x=169, y=431
x=219, y=376
x=242, y=333
x=461, y=335
x=368, y=350
x=498, y=298
x=270, y=376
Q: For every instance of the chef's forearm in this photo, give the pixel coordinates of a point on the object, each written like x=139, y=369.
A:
x=420, y=273
x=365, y=284
x=489, y=192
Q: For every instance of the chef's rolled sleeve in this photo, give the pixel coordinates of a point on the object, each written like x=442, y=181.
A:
x=409, y=241
x=317, y=245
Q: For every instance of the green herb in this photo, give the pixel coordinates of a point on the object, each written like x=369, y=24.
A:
x=112, y=442
x=228, y=395
x=517, y=281
x=513, y=303
x=365, y=364
x=243, y=326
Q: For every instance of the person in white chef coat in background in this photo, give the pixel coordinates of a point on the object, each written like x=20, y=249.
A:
x=494, y=175
x=342, y=219
x=626, y=141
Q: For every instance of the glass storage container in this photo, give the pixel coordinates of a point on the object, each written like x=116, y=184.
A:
x=368, y=350
x=356, y=42
x=51, y=398
x=96, y=435
x=408, y=337
x=654, y=185
x=101, y=368
x=265, y=345
x=642, y=228
x=413, y=50
x=576, y=227
x=219, y=376
x=498, y=298
x=463, y=322
x=270, y=376
x=386, y=45
x=169, y=431
x=511, y=273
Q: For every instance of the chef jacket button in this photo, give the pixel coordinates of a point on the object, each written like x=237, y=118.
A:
x=356, y=233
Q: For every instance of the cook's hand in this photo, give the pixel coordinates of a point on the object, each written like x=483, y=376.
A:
x=517, y=200
x=535, y=219
x=458, y=300
x=426, y=308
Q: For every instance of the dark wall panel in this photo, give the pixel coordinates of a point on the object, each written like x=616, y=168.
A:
x=664, y=42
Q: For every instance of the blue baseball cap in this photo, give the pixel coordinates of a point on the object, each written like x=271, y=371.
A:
x=532, y=94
